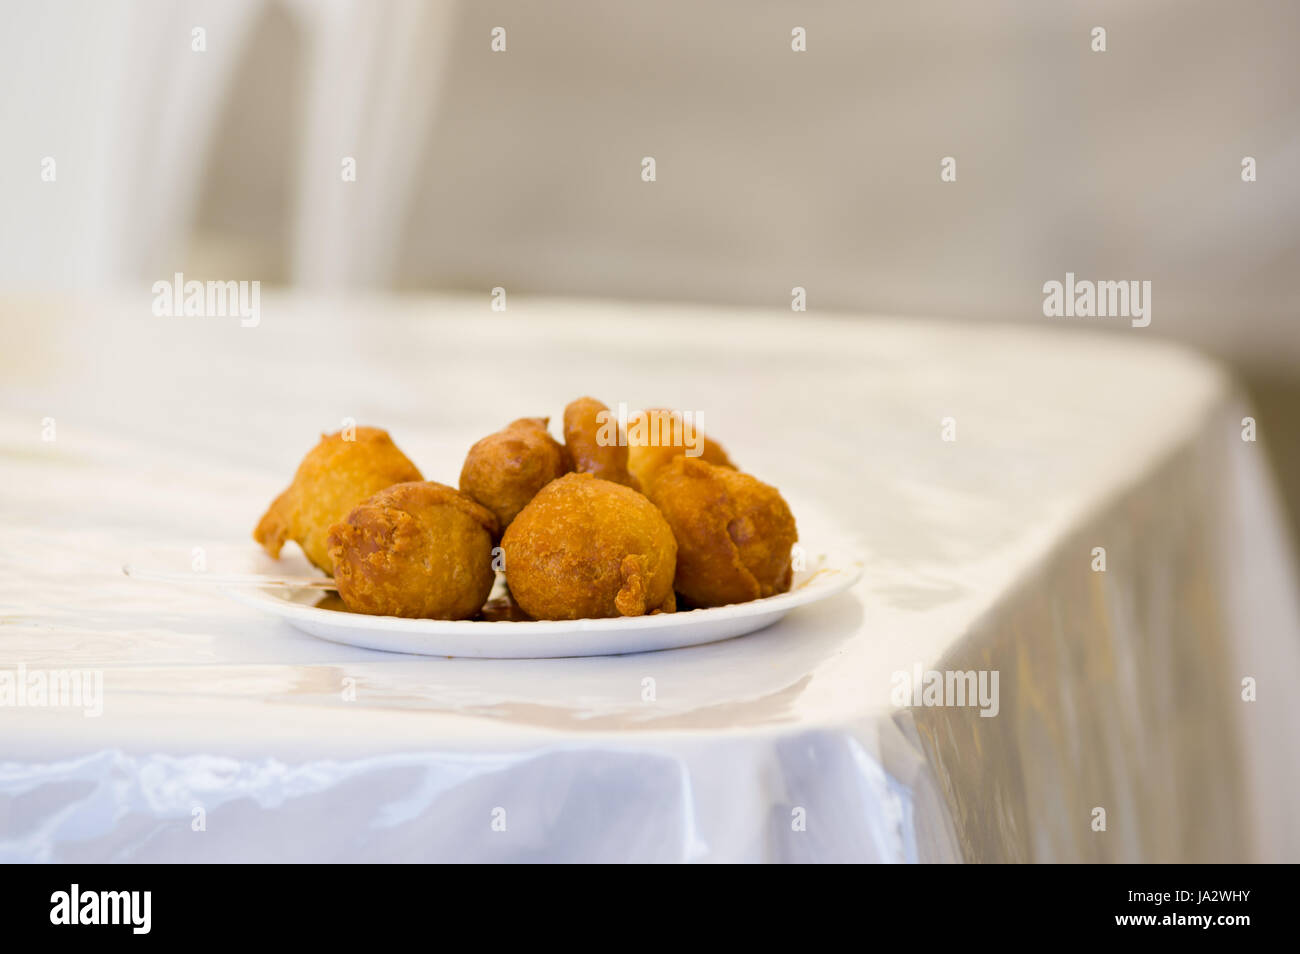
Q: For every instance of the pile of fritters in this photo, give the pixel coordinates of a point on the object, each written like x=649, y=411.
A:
x=622, y=519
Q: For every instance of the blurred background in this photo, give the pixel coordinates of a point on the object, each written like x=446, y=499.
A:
x=207, y=137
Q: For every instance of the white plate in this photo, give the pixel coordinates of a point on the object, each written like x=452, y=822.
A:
x=541, y=639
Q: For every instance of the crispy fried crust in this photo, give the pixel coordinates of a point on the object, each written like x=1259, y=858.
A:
x=654, y=439
x=593, y=442
x=333, y=478
x=419, y=549
x=504, y=470
x=734, y=532
x=587, y=548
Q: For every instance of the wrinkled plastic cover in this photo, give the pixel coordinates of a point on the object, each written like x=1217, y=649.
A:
x=228, y=736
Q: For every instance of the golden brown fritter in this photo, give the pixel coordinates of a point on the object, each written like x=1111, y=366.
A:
x=418, y=549
x=734, y=532
x=591, y=436
x=504, y=470
x=334, y=477
x=586, y=548
x=656, y=437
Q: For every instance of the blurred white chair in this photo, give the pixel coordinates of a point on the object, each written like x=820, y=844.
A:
x=130, y=110
x=165, y=99
x=372, y=89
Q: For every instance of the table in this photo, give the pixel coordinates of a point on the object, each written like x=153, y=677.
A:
x=226, y=736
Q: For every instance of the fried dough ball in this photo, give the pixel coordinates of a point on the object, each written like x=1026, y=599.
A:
x=419, y=549
x=594, y=447
x=334, y=477
x=656, y=437
x=586, y=548
x=734, y=532
x=504, y=470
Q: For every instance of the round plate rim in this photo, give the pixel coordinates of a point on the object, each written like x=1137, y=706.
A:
x=843, y=576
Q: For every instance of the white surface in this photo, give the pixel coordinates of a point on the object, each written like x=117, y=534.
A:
x=1118, y=689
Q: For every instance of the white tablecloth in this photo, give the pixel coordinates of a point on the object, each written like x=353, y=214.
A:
x=1119, y=690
